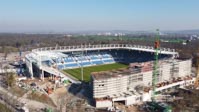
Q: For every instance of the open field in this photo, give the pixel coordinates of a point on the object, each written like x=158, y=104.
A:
x=88, y=70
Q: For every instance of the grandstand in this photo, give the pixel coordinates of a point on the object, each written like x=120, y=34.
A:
x=52, y=60
x=91, y=58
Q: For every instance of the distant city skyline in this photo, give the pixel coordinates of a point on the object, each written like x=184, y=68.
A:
x=91, y=15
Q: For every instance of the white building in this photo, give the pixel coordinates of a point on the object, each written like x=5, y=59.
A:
x=128, y=85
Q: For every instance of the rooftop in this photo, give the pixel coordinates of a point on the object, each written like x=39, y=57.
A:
x=134, y=68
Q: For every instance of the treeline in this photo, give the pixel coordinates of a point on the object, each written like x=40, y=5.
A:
x=12, y=42
x=39, y=40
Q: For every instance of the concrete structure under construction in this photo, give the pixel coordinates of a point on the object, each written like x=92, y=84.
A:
x=133, y=85
x=49, y=61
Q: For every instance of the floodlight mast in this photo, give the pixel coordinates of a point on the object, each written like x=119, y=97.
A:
x=82, y=72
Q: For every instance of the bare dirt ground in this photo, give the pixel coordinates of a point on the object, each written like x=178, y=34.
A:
x=131, y=108
x=58, y=94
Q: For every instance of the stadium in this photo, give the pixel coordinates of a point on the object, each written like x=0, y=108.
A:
x=44, y=61
x=115, y=71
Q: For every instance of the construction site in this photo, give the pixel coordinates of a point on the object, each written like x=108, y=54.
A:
x=151, y=78
x=134, y=84
x=152, y=73
x=147, y=83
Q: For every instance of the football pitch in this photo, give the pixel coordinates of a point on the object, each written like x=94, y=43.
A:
x=88, y=70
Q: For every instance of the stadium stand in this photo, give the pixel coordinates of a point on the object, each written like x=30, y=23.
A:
x=90, y=58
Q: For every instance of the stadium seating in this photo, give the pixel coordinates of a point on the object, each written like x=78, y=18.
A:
x=72, y=65
x=68, y=59
x=94, y=57
x=97, y=62
x=60, y=67
x=109, y=61
x=91, y=58
x=85, y=63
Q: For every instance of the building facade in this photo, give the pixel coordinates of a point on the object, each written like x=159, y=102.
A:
x=128, y=84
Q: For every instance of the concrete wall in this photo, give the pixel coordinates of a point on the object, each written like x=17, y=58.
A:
x=134, y=80
x=147, y=78
x=103, y=103
x=165, y=71
x=132, y=100
x=109, y=86
x=129, y=100
x=117, y=85
x=29, y=67
x=146, y=96
x=185, y=68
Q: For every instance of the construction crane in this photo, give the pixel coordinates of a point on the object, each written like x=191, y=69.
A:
x=155, y=65
x=154, y=105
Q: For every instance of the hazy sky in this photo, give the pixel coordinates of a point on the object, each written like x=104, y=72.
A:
x=80, y=15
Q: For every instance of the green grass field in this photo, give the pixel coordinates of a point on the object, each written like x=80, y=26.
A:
x=88, y=70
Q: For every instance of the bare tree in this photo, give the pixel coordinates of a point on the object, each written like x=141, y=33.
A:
x=10, y=77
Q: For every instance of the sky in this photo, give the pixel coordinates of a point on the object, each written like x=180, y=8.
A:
x=89, y=15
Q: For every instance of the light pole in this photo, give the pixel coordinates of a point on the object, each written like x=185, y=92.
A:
x=82, y=73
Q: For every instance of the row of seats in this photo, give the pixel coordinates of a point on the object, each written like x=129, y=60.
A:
x=86, y=60
x=104, y=57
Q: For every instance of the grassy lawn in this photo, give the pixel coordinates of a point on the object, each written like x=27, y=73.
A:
x=88, y=70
